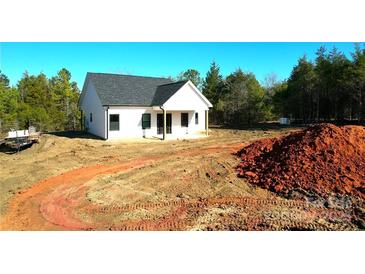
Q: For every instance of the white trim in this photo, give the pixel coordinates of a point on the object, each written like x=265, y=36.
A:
x=196, y=90
x=82, y=95
x=200, y=93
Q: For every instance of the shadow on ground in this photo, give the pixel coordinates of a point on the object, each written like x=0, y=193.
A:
x=259, y=126
x=8, y=150
x=75, y=134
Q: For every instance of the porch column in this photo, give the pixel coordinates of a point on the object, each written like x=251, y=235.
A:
x=164, y=124
x=206, y=122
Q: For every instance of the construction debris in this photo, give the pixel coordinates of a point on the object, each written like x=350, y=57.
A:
x=21, y=139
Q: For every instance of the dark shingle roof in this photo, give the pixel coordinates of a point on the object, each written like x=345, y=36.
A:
x=117, y=89
x=164, y=92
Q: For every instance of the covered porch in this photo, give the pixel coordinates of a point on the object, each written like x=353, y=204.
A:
x=181, y=123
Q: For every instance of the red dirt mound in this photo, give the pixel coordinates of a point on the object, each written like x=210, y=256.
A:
x=321, y=159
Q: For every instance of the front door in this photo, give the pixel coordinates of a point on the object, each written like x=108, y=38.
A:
x=160, y=123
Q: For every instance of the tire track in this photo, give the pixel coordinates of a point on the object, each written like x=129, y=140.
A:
x=182, y=216
x=47, y=206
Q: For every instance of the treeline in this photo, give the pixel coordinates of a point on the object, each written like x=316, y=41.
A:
x=330, y=88
x=48, y=104
x=237, y=99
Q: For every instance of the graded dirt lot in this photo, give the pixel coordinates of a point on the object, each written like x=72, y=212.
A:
x=76, y=182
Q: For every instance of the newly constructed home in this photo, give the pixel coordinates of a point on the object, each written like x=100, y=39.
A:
x=123, y=106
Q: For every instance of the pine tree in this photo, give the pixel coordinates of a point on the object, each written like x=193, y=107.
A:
x=243, y=99
x=358, y=83
x=213, y=84
x=301, y=90
x=8, y=104
x=65, y=96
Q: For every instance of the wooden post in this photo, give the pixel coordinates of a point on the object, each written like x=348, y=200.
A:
x=164, y=124
x=206, y=122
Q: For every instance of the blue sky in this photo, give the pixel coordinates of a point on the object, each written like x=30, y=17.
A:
x=154, y=59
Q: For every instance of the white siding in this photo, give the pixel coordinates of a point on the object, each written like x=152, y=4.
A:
x=192, y=128
x=130, y=122
x=130, y=118
x=91, y=104
x=186, y=99
x=201, y=120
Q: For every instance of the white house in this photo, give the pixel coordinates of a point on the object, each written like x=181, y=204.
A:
x=123, y=106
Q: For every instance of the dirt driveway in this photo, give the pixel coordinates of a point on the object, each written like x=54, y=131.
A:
x=78, y=183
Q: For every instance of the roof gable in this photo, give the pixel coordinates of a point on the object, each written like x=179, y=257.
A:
x=116, y=89
x=124, y=90
x=164, y=92
x=188, y=97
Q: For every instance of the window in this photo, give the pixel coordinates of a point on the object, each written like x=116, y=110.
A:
x=146, y=120
x=91, y=117
x=113, y=122
x=196, y=118
x=184, y=119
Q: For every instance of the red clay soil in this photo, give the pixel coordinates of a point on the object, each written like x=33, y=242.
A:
x=321, y=159
x=51, y=204
x=60, y=203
